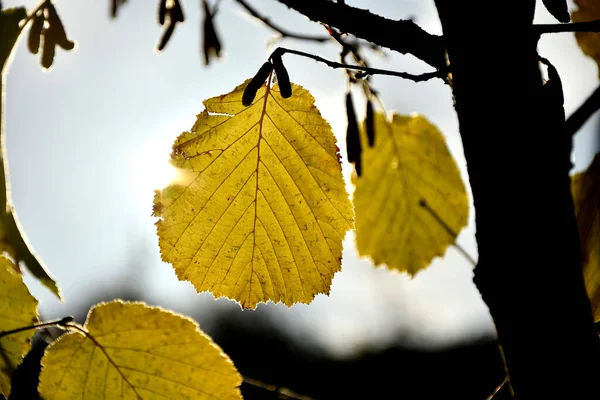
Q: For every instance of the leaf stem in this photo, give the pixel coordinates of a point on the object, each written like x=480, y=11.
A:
x=81, y=329
x=59, y=323
x=447, y=228
x=282, y=31
x=371, y=71
x=588, y=26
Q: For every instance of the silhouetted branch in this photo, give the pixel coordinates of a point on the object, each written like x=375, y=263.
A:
x=282, y=392
x=59, y=323
x=371, y=71
x=282, y=31
x=498, y=388
x=403, y=36
x=589, y=26
x=583, y=113
x=33, y=12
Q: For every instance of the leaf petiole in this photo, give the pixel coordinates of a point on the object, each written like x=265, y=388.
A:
x=446, y=227
x=64, y=323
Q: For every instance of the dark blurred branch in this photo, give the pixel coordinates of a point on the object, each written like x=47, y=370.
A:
x=498, y=388
x=282, y=31
x=583, y=113
x=281, y=392
x=371, y=71
x=589, y=26
x=346, y=47
x=403, y=36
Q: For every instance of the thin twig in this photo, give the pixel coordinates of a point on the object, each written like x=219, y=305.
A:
x=447, y=228
x=283, y=392
x=589, y=26
x=371, y=71
x=32, y=13
x=583, y=113
x=282, y=31
x=59, y=323
x=495, y=392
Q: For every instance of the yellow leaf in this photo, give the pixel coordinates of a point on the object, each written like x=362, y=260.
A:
x=585, y=187
x=137, y=352
x=261, y=209
x=18, y=308
x=410, y=195
x=589, y=42
x=12, y=239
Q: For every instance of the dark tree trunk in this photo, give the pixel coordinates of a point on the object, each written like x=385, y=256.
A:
x=529, y=273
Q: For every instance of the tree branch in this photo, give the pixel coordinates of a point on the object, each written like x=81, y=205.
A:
x=583, y=113
x=371, y=71
x=589, y=26
x=403, y=36
x=282, y=31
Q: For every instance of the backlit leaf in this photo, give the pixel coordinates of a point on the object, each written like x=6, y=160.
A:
x=18, y=308
x=586, y=198
x=12, y=239
x=589, y=42
x=137, y=352
x=410, y=195
x=261, y=209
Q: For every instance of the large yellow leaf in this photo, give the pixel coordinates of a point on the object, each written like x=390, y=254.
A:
x=261, y=210
x=586, y=198
x=18, y=309
x=410, y=196
x=589, y=42
x=137, y=352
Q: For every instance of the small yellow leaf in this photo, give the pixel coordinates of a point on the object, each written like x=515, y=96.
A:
x=137, y=352
x=261, y=210
x=589, y=42
x=585, y=187
x=410, y=195
x=18, y=308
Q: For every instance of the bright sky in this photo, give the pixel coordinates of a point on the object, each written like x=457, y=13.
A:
x=88, y=141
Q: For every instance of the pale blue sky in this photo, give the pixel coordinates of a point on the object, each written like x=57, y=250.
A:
x=86, y=137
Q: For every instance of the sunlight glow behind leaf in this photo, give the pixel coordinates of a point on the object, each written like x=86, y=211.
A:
x=150, y=167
